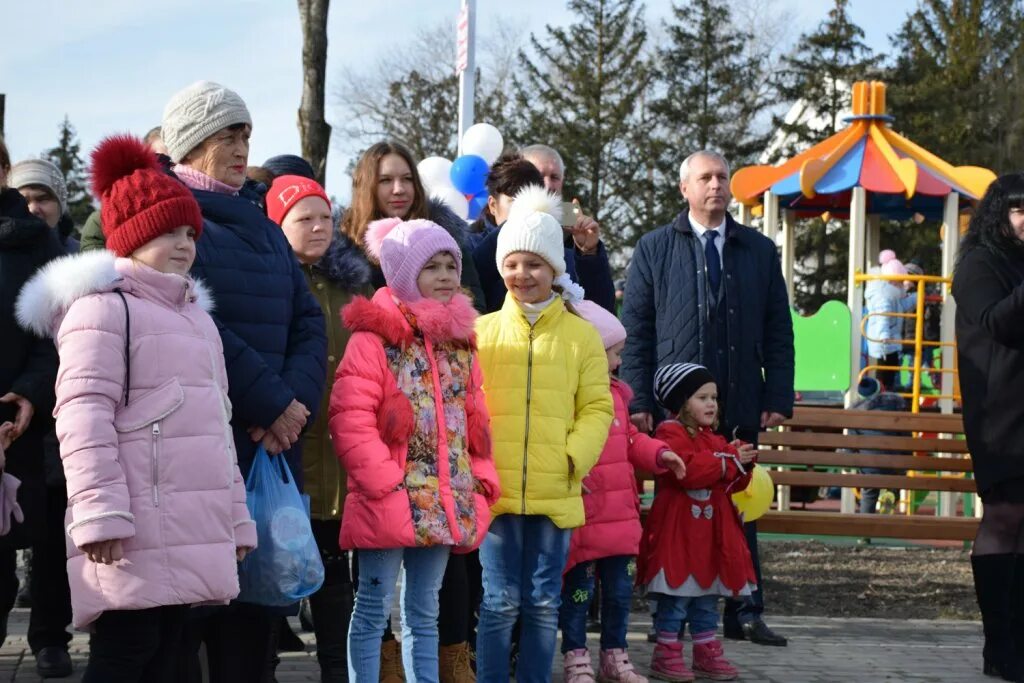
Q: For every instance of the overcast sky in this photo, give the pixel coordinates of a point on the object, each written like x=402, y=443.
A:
x=111, y=65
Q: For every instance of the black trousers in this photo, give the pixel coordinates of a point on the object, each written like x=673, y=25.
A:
x=749, y=608
x=136, y=646
x=457, y=602
x=240, y=639
x=8, y=581
x=48, y=580
x=332, y=604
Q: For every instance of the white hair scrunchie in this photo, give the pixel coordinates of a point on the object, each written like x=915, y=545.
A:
x=571, y=292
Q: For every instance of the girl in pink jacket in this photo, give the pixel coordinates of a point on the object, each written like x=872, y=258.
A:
x=606, y=546
x=408, y=420
x=156, y=517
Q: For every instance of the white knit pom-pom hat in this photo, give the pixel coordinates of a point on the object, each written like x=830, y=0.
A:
x=533, y=226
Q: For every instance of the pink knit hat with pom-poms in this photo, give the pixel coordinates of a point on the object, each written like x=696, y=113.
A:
x=885, y=256
x=402, y=248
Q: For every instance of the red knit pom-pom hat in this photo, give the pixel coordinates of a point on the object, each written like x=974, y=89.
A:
x=138, y=201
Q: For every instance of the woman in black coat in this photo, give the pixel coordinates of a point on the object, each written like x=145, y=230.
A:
x=27, y=376
x=989, y=290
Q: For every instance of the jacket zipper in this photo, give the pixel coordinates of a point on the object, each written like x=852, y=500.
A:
x=529, y=394
x=155, y=463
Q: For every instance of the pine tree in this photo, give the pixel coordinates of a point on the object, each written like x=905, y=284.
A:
x=957, y=83
x=67, y=157
x=819, y=73
x=820, y=263
x=712, y=82
x=580, y=94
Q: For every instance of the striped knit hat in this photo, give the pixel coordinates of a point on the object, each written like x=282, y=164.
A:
x=674, y=384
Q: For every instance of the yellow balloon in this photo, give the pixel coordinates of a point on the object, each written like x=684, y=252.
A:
x=755, y=500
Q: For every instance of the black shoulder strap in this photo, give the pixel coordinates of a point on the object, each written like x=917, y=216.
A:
x=127, y=345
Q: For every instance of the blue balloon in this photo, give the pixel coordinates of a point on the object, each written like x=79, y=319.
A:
x=477, y=204
x=469, y=174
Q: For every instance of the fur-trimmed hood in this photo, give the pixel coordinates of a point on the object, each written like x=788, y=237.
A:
x=47, y=296
x=344, y=264
x=453, y=321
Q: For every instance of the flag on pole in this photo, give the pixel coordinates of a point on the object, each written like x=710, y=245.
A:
x=462, y=41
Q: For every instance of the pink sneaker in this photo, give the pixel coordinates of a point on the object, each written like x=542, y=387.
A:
x=709, y=662
x=576, y=667
x=667, y=663
x=616, y=668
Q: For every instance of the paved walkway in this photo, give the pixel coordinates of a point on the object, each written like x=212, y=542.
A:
x=820, y=651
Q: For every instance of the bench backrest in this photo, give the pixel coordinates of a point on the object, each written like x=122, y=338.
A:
x=815, y=438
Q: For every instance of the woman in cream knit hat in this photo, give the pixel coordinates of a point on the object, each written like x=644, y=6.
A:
x=272, y=328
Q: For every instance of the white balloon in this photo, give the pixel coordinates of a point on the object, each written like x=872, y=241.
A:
x=455, y=200
x=484, y=140
x=435, y=173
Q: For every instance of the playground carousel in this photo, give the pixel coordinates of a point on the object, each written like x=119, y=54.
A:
x=866, y=173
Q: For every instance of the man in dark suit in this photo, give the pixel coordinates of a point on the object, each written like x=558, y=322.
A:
x=705, y=289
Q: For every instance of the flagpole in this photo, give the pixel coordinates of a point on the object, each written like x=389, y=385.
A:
x=465, y=65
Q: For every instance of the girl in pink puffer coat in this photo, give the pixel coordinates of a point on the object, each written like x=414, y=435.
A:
x=606, y=545
x=156, y=518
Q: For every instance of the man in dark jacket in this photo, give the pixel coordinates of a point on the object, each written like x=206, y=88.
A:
x=583, y=244
x=705, y=289
x=27, y=377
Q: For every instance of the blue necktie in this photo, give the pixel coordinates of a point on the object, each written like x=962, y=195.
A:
x=713, y=261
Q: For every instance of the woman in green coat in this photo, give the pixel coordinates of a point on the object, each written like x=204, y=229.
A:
x=336, y=271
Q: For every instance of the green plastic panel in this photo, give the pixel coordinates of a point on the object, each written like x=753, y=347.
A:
x=822, y=344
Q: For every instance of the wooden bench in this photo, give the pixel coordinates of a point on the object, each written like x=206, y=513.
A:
x=814, y=439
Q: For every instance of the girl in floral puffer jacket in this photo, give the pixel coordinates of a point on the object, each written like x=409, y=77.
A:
x=408, y=420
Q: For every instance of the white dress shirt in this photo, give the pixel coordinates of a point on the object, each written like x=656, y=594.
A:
x=702, y=231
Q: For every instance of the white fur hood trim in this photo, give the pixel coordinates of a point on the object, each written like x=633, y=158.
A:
x=48, y=294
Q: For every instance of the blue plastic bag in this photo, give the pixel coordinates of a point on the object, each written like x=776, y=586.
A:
x=286, y=566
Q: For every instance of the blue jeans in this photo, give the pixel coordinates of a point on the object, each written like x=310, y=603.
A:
x=378, y=573
x=700, y=612
x=522, y=557
x=616, y=575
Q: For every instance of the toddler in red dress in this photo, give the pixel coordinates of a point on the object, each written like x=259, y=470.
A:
x=693, y=549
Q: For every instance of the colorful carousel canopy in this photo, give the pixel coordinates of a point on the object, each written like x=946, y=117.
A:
x=900, y=177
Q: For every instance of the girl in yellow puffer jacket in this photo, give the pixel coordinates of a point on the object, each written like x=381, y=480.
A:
x=546, y=387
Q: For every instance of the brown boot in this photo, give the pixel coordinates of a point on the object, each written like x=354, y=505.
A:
x=391, y=670
x=453, y=664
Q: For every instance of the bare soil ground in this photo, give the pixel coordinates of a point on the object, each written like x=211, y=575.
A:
x=810, y=578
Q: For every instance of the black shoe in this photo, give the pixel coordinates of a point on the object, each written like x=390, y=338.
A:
x=733, y=632
x=53, y=662
x=287, y=641
x=758, y=632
